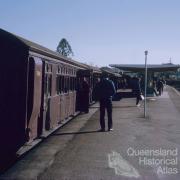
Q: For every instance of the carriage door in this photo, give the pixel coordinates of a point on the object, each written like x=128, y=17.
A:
x=47, y=97
x=34, y=96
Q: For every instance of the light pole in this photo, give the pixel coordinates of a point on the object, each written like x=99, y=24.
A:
x=145, y=85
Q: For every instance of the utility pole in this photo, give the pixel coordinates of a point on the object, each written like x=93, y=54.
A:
x=145, y=85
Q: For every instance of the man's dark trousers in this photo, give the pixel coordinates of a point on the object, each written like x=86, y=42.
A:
x=106, y=104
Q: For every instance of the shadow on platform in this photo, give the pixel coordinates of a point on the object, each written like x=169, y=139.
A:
x=71, y=133
x=130, y=106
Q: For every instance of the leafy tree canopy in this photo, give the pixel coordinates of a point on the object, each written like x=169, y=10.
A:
x=64, y=48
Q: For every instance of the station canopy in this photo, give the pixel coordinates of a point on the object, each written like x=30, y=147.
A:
x=150, y=67
x=111, y=71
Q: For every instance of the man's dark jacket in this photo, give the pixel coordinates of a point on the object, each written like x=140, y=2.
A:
x=103, y=90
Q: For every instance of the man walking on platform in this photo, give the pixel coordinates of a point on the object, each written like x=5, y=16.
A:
x=160, y=86
x=136, y=89
x=103, y=92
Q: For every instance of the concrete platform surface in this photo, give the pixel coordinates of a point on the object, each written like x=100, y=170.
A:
x=138, y=148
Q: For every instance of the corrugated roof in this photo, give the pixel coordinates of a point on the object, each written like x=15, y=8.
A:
x=93, y=68
x=151, y=67
x=110, y=71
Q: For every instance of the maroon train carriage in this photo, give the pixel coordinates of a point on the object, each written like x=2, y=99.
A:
x=38, y=91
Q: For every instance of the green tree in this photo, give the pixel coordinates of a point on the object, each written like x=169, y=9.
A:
x=64, y=48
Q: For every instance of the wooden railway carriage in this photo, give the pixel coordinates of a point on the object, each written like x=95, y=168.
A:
x=37, y=92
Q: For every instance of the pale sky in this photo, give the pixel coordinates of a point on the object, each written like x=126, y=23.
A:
x=100, y=32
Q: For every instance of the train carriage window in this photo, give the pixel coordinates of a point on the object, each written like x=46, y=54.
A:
x=48, y=79
x=74, y=80
x=76, y=83
x=63, y=70
x=48, y=83
x=58, y=70
x=62, y=84
x=58, y=84
x=72, y=72
x=66, y=85
x=71, y=84
x=66, y=70
x=68, y=80
x=46, y=68
x=45, y=85
x=50, y=68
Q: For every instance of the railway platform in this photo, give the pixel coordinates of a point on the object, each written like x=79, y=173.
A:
x=138, y=148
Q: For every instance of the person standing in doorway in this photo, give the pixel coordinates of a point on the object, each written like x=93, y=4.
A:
x=84, y=90
x=103, y=92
